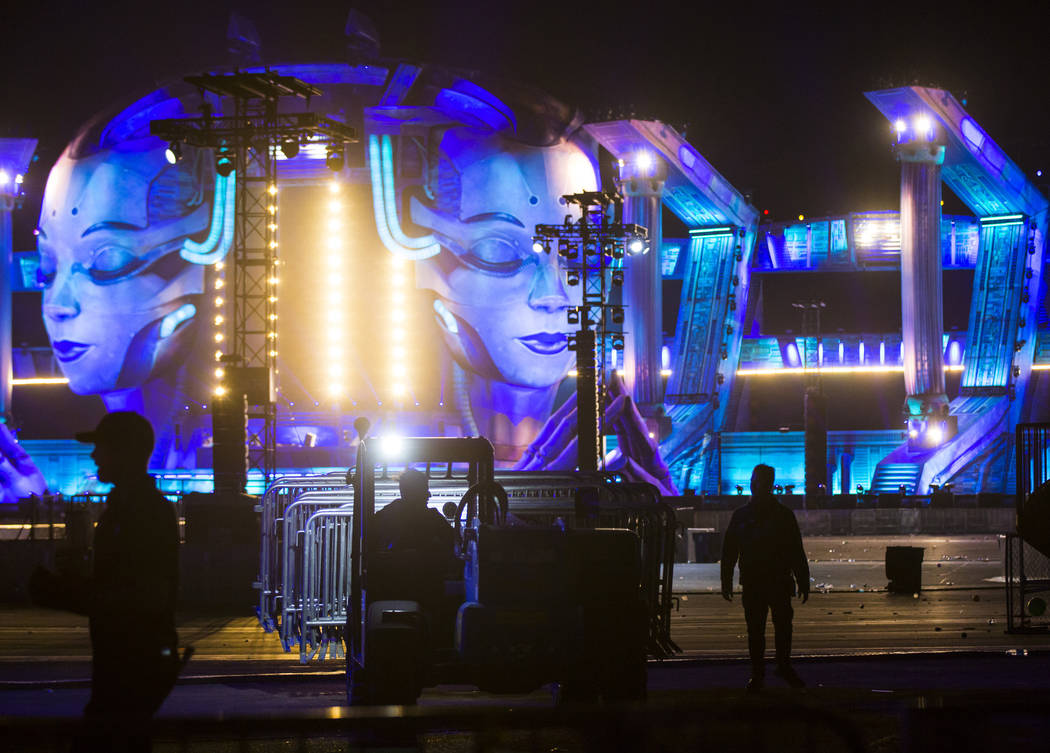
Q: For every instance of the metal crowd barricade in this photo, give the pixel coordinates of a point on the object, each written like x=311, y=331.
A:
x=327, y=538
x=289, y=597
x=1028, y=569
x=315, y=540
x=271, y=507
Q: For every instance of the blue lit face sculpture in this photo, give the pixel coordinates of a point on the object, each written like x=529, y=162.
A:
x=118, y=296
x=502, y=306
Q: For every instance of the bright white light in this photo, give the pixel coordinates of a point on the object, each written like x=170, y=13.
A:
x=643, y=161
x=334, y=206
x=19, y=178
x=935, y=435
x=913, y=433
x=537, y=247
x=334, y=186
x=4, y=177
x=636, y=246
x=665, y=357
x=900, y=126
x=391, y=445
x=923, y=125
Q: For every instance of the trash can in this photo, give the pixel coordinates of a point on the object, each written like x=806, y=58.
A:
x=904, y=569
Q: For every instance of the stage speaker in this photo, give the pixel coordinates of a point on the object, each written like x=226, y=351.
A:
x=904, y=569
x=816, y=437
x=229, y=422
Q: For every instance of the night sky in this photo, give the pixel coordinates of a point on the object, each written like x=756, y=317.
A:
x=773, y=98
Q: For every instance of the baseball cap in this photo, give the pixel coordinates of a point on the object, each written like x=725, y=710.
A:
x=122, y=428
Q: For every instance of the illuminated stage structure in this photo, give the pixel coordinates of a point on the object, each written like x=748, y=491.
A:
x=937, y=140
x=411, y=293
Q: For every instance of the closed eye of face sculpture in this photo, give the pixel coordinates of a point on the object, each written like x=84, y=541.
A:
x=501, y=305
x=117, y=294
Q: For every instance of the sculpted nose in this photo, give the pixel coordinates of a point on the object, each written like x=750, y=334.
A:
x=548, y=291
x=63, y=304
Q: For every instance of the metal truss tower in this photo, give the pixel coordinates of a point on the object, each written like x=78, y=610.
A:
x=245, y=145
x=593, y=247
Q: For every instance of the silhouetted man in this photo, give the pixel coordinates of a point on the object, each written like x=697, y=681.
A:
x=764, y=536
x=412, y=544
x=130, y=596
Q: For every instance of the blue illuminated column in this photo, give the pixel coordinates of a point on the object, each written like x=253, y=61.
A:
x=14, y=161
x=643, y=178
x=920, y=150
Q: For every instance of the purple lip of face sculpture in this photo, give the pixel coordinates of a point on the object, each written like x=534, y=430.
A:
x=68, y=351
x=545, y=343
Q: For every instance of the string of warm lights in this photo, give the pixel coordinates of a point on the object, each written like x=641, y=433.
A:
x=335, y=328
x=219, y=327
x=398, y=278
x=272, y=280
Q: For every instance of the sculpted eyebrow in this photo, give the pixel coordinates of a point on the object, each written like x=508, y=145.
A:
x=98, y=226
x=500, y=216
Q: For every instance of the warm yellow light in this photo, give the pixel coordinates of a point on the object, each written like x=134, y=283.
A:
x=31, y=381
x=219, y=266
x=334, y=224
x=220, y=372
x=273, y=280
x=801, y=217
x=334, y=186
x=397, y=315
x=272, y=335
x=272, y=226
x=219, y=283
x=218, y=337
x=271, y=209
x=335, y=389
x=272, y=189
x=273, y=317
x=665, y=372
x=219, y=319
x=823, y=370
x=399, y=389
x=219, y=301
x=1041, y=367
x=273, y=299
x=273, y=244
x=219, y=390
x=334, y=206
x=218, y=355
x=273, y=353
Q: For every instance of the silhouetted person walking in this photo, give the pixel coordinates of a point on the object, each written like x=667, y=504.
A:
x=130, y=595
x=764, y=536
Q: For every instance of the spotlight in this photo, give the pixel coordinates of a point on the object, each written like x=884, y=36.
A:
x=617, y=277
x=569, y=251
x=900, y=126
x=224, y=164
x=935, y=435
x=173, y=153
x=644, y=162
x=617, y=315
x=290, y=147
x=572, y=277
x=923, y=126
x=637, y=246
x=572, y=316
x=739, y=489
x=541, y=245
x=334, y=158
x=617, y=342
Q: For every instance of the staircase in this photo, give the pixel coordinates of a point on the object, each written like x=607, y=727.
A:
x=889, y=477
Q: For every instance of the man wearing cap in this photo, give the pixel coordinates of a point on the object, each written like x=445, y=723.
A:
x=130, y=596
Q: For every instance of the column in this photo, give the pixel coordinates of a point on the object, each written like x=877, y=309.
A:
x=921, y=153
x=643, y=177
x=14, y=161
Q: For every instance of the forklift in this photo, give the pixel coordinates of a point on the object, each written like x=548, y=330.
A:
x=522, y=606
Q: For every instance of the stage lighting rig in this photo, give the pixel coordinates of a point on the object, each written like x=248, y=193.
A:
x=334, y=159
x=245, y=139
x=593, y=247
x=173, y=153
x=290, y=148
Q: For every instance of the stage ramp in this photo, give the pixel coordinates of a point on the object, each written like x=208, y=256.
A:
x=1003, y=310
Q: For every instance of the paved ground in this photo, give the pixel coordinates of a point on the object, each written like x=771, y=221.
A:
x=872, y=656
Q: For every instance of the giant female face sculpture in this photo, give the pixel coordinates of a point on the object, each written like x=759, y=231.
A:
x=117, y=293
x=501, y=305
